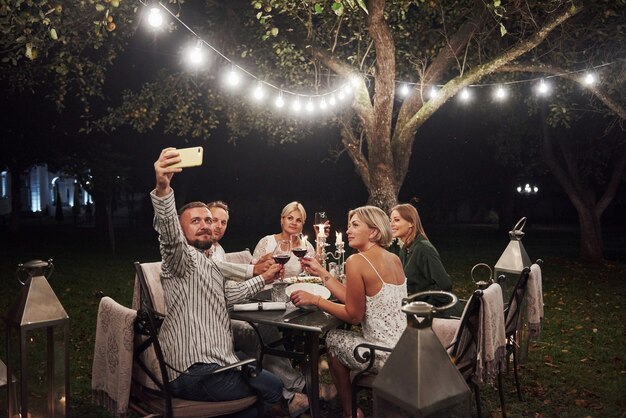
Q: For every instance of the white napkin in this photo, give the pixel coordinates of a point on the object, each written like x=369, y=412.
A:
x=260, y=306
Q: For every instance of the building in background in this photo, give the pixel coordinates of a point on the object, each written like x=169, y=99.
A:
x=39, y=190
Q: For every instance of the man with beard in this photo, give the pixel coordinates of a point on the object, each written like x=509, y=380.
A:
x=196, y=335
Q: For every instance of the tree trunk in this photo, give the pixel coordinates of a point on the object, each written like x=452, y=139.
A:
x=591, y=244
x=383, y=192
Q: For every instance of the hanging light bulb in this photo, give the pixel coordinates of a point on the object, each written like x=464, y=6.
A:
x=331, y=101
x=258, y=93
x=279, y=100
x=500, y=93
x=195, y=54
x=341, y=95
x=232, y=77
x=433, y=92
x=355, y=80
x=589, y=79
x=155, y=18
x=543, y=88
x=404, y=90
x=309, y=106
x=465, y=94
x=347, y=89
x=323, y=104
x=297, y=106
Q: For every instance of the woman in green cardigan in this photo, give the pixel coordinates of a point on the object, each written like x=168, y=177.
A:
x=421, y=261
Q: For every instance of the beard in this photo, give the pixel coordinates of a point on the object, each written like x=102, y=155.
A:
x=201, y=245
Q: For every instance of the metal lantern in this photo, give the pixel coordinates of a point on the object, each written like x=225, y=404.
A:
x=507, y=272
x=37, y=346
x=419, y=378
x=512, y=261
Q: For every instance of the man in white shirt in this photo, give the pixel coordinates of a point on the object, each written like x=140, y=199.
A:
x=244, y=336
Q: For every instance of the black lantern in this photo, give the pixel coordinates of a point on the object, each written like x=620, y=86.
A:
x=419, y=378
x=37, y=347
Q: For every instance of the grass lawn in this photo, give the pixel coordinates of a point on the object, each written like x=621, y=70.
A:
x=575, y=370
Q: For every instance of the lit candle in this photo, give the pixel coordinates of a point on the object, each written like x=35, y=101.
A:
x=320, y=230
x=338, y=239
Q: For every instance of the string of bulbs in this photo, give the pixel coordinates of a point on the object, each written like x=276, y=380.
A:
x=196, y=55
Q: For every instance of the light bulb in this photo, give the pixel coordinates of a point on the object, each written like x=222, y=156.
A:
x=323, y=104
x=404, y=90
x=155, y=18
x=589, y=79
x=500, y=93
x=465, y=94
x=332, y=100
x=543, y=88
x=195, y=54
x=232, y=77
x=297, y=106
x=433, y=92
x=309, y=106
x=279, y=101
x=258, y=92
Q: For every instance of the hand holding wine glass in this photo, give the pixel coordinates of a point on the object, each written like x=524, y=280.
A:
x=282, y=253
x=299, y=247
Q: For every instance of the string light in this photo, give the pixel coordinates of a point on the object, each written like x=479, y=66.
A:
x=233, y=78
x=465, y=94
x=500, y=93
x=155, y=18
x=279, y=100
x=259, y=93
x=589, y=79
x=297, y=106
x=196, y=56
x=543, y=88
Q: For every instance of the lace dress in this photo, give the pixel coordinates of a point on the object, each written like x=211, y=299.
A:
x=267, y=244
x=383, y=324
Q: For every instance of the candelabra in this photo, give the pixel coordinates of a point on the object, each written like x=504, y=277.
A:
x=336, y=267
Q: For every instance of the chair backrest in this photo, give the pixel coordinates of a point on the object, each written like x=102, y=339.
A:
x=149, y=367
x=150, y=374
x=464, y=347
x=513, y=314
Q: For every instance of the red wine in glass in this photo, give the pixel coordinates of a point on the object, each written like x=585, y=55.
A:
x=281, y=258
x=299, y=252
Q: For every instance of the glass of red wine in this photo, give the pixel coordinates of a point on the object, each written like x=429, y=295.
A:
x=282, y=252
x=299, y=247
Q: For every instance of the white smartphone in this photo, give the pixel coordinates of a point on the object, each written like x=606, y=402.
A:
x=189, y=157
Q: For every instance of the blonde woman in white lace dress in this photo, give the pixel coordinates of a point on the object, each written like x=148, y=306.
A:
x=292, y=220
x=372, y=297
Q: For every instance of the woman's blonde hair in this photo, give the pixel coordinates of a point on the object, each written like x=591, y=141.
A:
x=375, y=218
x=290, y=207
x=409, y=214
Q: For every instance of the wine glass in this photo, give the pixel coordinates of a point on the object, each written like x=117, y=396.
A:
x=282, y=253
x=299, y=247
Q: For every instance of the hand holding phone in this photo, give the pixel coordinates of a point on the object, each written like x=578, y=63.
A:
x=189, y=157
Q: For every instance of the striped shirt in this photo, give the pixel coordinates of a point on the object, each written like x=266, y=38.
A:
x=197, y=326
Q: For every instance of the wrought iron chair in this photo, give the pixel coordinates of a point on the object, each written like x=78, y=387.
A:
x=364, y=379
x=150, y=393
x=514, y=315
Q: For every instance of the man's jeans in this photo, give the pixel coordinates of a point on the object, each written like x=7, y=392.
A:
x=197, y=385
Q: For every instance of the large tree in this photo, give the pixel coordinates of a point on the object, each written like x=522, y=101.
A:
x=448, y=44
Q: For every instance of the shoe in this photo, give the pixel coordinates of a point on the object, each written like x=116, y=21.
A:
x=328, y=392
x=298, y=405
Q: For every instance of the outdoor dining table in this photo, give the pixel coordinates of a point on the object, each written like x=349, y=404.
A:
x=312, y=325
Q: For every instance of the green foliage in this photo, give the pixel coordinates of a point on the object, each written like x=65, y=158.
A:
x=60, y=47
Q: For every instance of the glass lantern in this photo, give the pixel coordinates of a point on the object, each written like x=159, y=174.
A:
x=37, y=347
